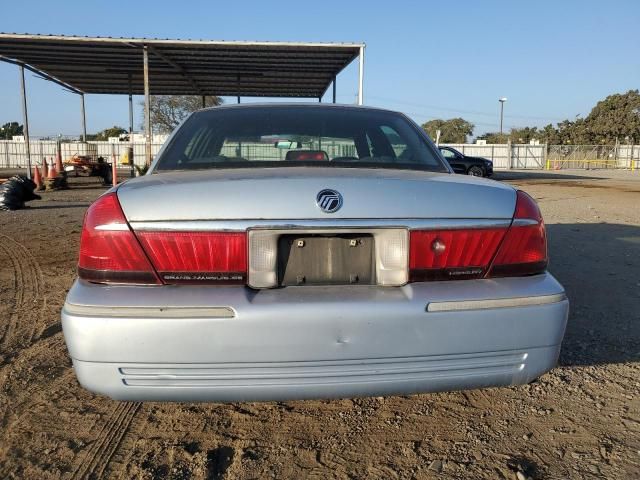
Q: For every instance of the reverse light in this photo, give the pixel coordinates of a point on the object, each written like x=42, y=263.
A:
x=392, y=251
x=263, y=253
x=109, y=252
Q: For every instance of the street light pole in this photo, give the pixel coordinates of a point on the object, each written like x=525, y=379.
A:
x=501, y=100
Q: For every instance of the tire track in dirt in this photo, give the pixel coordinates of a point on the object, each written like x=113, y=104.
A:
x=107, y=442
x=33, y=394
x=27, y=292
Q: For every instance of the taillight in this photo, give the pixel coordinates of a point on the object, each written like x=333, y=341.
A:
x=524, y=249
x=452, y=254
x=109, y=252
x=477, y=253
x=197, y=257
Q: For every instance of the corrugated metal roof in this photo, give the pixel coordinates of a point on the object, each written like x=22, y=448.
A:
x=182, y=67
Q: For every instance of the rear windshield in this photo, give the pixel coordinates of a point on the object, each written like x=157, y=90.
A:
x=277, y=136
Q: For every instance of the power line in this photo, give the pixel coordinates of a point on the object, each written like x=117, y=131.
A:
x=455, y=110
x=425, y=116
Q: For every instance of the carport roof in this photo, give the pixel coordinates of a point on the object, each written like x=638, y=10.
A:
x=181, y=67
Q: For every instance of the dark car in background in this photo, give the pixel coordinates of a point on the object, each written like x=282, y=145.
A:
x=464, y=164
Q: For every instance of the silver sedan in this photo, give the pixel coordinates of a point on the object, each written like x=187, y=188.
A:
x=277, y=252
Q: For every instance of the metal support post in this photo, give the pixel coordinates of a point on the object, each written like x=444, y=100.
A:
x=25, y=117
x=147, y=108
x=334, y=89
x=84, y=118
x=130, y=152
x=361, y=76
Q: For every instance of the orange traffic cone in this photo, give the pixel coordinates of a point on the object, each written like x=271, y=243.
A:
x=52, y=181
x=45, y=168
x=37, y=179
x=59, y=166
x=53, y=173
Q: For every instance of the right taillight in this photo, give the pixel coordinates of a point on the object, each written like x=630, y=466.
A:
x=524, y=248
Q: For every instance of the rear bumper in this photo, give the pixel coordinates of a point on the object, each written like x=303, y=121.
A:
x=192, y=343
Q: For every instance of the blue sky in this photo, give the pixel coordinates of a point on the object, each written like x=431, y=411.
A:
x=552, y=59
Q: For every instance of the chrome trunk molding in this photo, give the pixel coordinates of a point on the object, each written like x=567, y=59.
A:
x=243, y=225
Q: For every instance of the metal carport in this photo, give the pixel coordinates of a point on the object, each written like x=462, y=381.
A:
x=135, y=66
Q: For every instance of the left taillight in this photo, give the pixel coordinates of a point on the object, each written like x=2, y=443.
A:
x=218, y=258
x=109, y=251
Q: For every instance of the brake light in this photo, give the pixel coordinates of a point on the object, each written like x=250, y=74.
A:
x=495, y=252
x=524, y=249
x=109, y=252
x=305, y=155
x=452, y=254
x=197, y=257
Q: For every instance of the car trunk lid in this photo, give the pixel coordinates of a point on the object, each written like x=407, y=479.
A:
x=290, y=194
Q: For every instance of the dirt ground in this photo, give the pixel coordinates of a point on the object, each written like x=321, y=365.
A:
x=582, y=420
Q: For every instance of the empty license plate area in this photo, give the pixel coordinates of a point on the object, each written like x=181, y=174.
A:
x=328, y=256
x=326, y=259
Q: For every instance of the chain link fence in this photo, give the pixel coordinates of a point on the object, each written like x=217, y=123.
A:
x=13, y=154
x=593, y=156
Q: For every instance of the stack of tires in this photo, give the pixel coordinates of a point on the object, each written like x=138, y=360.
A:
x=16, y=191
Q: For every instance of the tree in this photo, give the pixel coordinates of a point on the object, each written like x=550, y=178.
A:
x=549, y=135
x=454, y=130
x=524, y=135
x=10, y=129
x=494, y=137
x=617, y=116
x=167, y=111
x=105, y=134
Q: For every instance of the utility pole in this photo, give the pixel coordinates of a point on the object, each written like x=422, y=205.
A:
x=502, y=100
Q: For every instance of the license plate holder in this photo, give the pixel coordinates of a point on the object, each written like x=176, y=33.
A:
x=340, y=259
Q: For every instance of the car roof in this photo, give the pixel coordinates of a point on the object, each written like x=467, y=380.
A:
x=305, y=105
